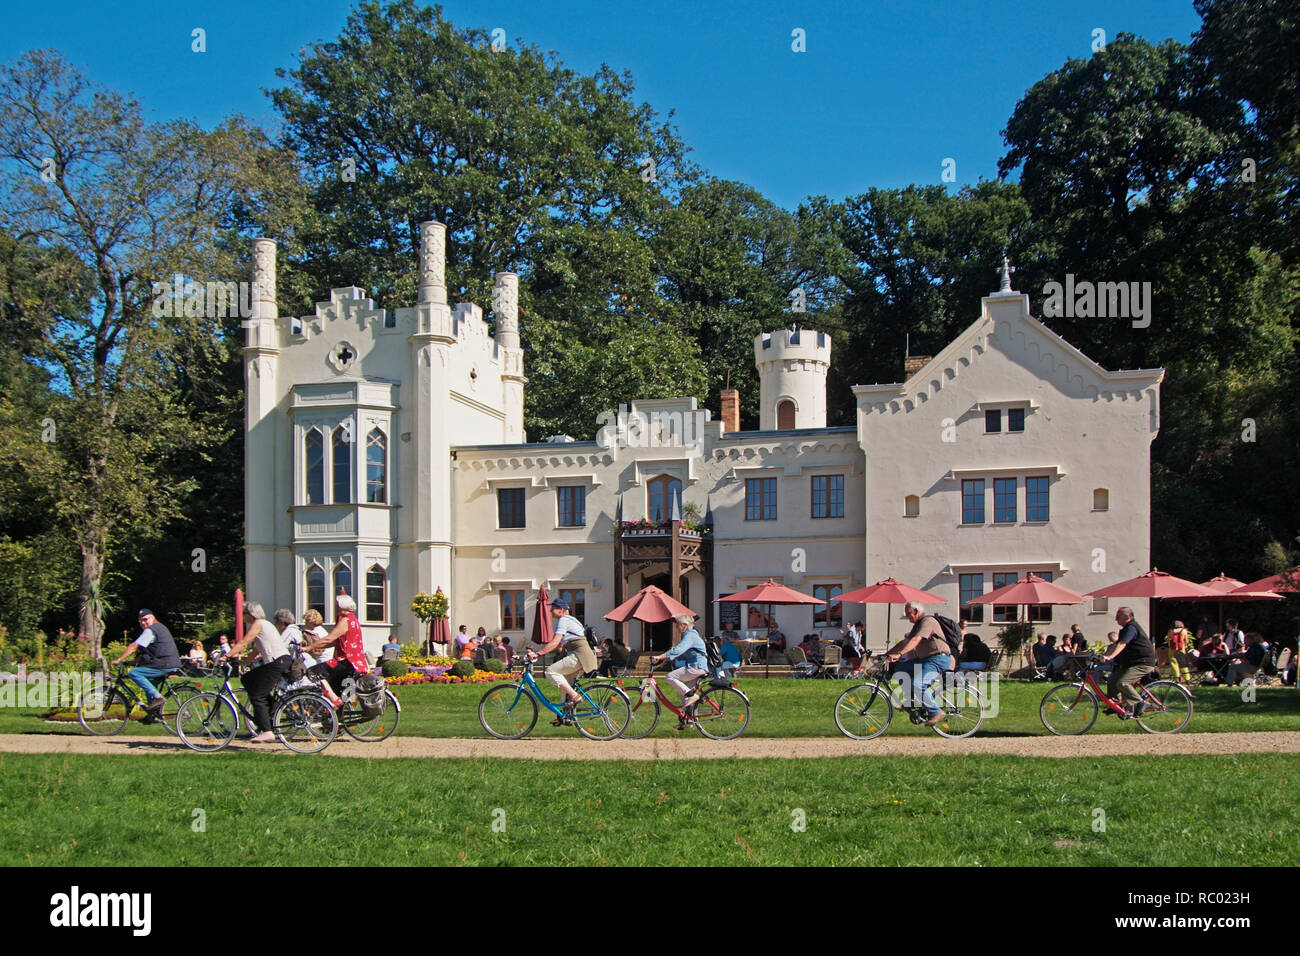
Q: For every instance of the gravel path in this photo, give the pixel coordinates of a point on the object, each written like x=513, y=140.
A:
x=696, y=748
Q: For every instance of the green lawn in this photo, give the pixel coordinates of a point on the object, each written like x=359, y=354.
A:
x=790, y=708
x=274, y=809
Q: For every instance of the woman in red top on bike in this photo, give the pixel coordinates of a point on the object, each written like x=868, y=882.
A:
x=349, y=650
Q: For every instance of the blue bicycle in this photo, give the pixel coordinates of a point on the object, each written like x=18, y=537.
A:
x=509, y=711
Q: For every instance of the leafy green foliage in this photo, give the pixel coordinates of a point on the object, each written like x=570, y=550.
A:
x=463, y=668
x=393, y=668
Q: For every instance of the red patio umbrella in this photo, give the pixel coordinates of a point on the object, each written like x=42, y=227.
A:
x=543, y=627
x=1287, y=582
x=1031, y=589
x=769, y=592
x=1154, y=584
x=440, y=633
x=889, y=592
x=651, y=604
x=1230, y=589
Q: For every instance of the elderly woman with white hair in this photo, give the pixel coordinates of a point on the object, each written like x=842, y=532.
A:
x=349, y=650
x=261, y=681
x=690, y=653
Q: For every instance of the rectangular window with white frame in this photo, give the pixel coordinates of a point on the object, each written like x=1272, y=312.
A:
x=571, y=501
x=971, y=586
x=512, y=610
x=1037, y=499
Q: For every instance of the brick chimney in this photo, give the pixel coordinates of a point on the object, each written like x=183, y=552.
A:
x=913, y=364
x=730, y=410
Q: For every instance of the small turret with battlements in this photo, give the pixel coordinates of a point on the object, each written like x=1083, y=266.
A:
x=792, y=366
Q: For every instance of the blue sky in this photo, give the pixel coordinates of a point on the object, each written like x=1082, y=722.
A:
x=885, y=92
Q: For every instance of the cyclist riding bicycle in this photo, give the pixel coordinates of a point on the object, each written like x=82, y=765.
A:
x=923, y=656
x=158, y=658
x=349, y=651
x=1134, y=656
x=690, y=653
x=273, y=663
x=579, y=658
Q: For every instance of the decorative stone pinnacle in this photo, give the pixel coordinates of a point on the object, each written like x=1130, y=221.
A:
x=1005, y=271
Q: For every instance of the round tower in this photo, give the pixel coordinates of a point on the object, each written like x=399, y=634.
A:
x=792, y=365
x=505, y=309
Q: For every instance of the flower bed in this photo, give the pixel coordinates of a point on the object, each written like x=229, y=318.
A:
x=439, y=675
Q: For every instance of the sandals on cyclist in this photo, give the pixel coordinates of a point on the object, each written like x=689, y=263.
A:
x=265, y=737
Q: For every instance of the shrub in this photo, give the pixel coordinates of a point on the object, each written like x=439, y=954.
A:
x=114, y=649
x=411, y=652
x=494, y=666
x=1015, y=637
x=463, y=669
x=393, y=668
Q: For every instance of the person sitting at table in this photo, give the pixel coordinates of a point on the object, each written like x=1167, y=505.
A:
x=809, y=646
x=975, y=654
x=1040, y=652
x=775, y=642
x=1234, y=638
x=730, y=658
x=1249, y=660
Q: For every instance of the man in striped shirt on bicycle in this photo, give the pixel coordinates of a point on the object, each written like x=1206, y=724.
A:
x=579, y=657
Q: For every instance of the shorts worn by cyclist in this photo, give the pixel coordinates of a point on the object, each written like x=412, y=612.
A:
x=579, y=658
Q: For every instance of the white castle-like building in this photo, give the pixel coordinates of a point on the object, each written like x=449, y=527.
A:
x=385, y=454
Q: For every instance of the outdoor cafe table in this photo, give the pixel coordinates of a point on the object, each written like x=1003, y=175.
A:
x=1218, y=665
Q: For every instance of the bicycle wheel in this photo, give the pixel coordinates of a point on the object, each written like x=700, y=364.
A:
x=172, y=701
x=963, y=708
x=1168, y=707
x=507, y=711
x=206, y=722
x=1068, y=709
x=607, y=714
x=644, y=715
x=305, y=722
x=103, y=711
x=863, y=712
x=244, y=707
x=722, y=713
x=371, y=730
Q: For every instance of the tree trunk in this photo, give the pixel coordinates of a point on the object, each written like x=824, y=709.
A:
x=88, y=597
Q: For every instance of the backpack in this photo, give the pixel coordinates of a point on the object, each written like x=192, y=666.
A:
x=592, y=642
x=951, y=633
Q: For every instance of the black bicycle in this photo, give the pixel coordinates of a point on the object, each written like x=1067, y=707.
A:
x=105, y=708
x=303, y=720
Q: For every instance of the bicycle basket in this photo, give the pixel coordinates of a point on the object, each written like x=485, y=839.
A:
x=370, y=694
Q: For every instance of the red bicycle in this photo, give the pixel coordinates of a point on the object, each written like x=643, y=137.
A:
x=722, y=712
x=1070, y=709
